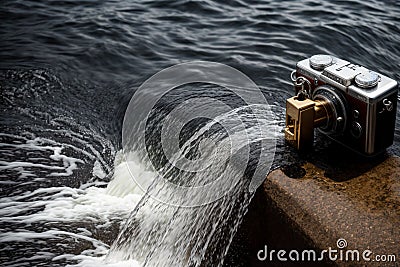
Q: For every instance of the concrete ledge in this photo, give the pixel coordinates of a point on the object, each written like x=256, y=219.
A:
x=364, y=210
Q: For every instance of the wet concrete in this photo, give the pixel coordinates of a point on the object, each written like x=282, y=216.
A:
x=310, y=205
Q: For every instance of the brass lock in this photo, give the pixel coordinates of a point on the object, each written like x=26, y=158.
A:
x=302, y=116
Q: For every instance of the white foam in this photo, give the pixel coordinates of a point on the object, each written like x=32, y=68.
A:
x=89, y=203
x=98, y=170
x=42, y=145
x=123, y=182
x=88, y=261
x=74, y=204
x=70, y=163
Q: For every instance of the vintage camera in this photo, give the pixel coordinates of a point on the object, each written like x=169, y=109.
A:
x=349, y=103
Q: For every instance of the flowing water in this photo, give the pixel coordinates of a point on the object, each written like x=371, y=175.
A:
x=68, y=70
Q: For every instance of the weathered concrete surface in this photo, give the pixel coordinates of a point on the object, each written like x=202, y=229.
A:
x=364, y=209
x=333, y=193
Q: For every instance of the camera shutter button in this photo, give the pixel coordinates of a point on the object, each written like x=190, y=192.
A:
x=367, y=79
x=319, y=62
x=356, y=129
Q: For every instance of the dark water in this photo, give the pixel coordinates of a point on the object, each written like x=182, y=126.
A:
x=69, y=68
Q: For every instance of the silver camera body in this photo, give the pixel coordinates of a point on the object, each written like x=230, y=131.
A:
x=362, y=103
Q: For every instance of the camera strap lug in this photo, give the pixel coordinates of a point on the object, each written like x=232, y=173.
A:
x=299, y=84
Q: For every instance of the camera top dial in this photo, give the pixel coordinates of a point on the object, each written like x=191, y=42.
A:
x=367, y=79
x=319, y=62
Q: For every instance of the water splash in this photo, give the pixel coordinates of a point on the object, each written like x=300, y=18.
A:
x=160, y=234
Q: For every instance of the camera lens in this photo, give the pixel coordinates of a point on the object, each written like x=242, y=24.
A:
x=319, y=62
x=334, y=104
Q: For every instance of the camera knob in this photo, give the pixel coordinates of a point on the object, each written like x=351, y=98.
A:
x=319, y=62
x=356, y=130
x=367, y=79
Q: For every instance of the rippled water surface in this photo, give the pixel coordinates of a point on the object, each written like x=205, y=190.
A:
x=69, y=68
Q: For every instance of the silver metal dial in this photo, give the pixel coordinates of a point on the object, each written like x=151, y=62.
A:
x=320, y=62
x=367, y=79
